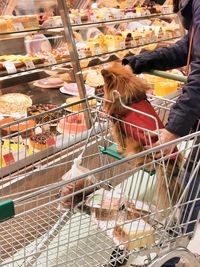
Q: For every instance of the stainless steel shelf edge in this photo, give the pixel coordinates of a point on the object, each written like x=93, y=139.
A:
x=117, y=21
x=68, y=33
x=26, y=76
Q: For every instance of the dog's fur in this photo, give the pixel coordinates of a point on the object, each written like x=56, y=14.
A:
x=121, y=79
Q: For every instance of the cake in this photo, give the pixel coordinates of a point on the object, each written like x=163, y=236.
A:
x=76, y=186
x=119, y=41
x=28, y=22
x=25, y=128
x=134, y=234
x=72, y=89
x=95, y=79
x=14, y=103
x=80, y=106
x=136, y=210
x=129, y=40
x=6, y=25
x=52, y=22
x=94, y=48
x=42, y=140
x=106, y=204
x=50, y=82
x=72, y=124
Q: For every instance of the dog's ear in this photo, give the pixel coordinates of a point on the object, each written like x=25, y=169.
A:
x=107, y=75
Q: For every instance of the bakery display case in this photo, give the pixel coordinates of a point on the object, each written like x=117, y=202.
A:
x=52, y=53
x=51, y=56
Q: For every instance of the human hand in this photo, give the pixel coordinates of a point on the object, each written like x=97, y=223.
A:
x=140, y=63
x=164, y=137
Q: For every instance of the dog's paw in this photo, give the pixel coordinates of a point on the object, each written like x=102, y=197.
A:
x=120, y=149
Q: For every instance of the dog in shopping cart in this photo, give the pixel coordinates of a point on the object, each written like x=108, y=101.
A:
x=131, y=123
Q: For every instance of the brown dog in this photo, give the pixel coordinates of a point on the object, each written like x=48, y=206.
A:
x=132, y=139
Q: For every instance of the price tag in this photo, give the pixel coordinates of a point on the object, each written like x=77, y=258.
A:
x=107, y=17
x=128, y=15
x=133, y=43
x=93, y=18
x=10, y=67
x=52, y=60
x=78, y=20
x=29, y=65
x=18, y=26
x=51, y=141
x=122, y=45
x=8, y=158
x=97, y=51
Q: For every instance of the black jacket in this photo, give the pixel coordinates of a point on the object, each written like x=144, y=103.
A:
x=186, y=111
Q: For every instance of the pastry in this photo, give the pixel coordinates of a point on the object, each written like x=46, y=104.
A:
x=110, y=42
x=14, y=103
x=72, y=89
x=52, y=22
x=119, y=41
x=94, y=48
x=42, y=140
x=136, y=210
x=72, y=124
x=84, y=52
x=129, y=40
x=94, y=78
x=50, y=82
x=50, y=117
x=5, y=130
x=78, y=107
x=5, y=26
x=106, y=204
x=28, y=22
x=25, y=128
x=135, y=234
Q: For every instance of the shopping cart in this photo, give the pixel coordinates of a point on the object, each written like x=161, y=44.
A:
x=116, y=218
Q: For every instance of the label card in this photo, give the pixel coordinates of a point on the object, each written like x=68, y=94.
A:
x=18, y=26
x=52, y=60
x=10, y=67
x=29, y=65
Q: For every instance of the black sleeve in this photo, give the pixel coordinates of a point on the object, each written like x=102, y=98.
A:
x=165, y=58
x=186, y=111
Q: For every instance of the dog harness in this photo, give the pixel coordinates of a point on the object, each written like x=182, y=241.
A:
x=136, y=125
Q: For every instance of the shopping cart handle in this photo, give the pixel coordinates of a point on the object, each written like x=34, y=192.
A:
x=168, y=75
x=112, y=151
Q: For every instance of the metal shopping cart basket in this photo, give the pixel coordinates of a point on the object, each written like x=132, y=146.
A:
x=116, y=218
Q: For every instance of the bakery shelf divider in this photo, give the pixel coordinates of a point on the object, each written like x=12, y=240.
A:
x=24, y=32
x=16, y=79
x=12, y=34
x=117, y=21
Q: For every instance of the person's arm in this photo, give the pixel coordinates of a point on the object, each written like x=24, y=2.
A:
x=186, y=111
x=164, y=58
